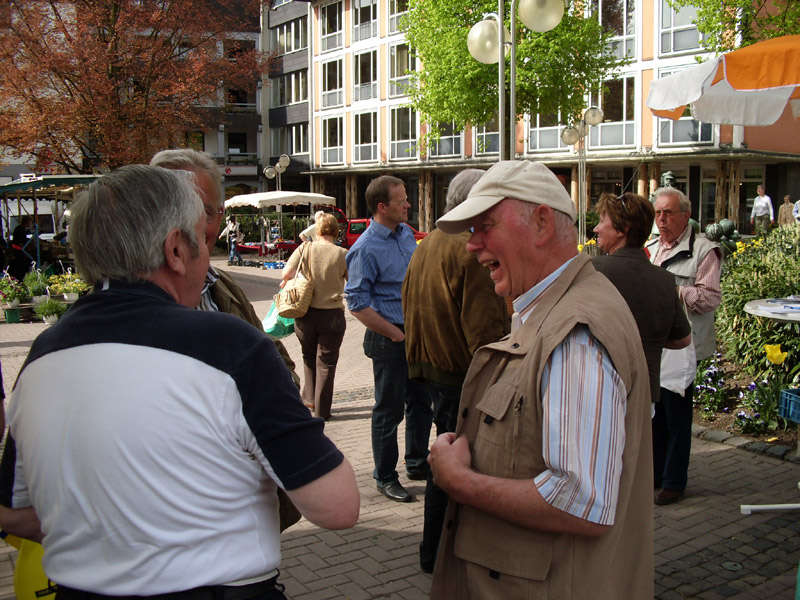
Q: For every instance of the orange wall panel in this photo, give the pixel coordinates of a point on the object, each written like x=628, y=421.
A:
x=647, y=115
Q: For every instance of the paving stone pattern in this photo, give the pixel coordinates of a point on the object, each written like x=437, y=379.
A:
x=705, y=548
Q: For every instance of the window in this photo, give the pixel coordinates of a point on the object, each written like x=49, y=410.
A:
x=618, y=104
x=332, y=19
x=366, y=137
x=397, y=10
x=365, y=73
x=618, y=17
x=404, y=133
x=399, y=65
x=289, y=88
x=277, y=3
x=290, y=37
x=332, y=84
x=332, y=141
x=487, y=138
x=289, y=139
x=544, y=133
x=708, y=197
x=365, y=19
x=678, y=33
x=449, y=142
x=685, y=130
x=237, y=142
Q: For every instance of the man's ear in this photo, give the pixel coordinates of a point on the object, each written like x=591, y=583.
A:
x=176, y=252
x=543, y=224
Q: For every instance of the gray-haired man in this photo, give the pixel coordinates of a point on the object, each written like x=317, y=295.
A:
x=150, y=439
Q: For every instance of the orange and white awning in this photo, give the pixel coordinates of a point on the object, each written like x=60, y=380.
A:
x=749, y=86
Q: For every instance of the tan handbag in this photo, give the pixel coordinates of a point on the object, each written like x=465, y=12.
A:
x=294, y=299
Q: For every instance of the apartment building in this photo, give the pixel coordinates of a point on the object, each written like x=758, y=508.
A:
x=347, y=118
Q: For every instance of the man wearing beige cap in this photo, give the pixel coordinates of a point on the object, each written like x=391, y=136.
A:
x=549, y=469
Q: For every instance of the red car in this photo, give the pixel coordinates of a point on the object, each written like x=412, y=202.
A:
x=355, y=227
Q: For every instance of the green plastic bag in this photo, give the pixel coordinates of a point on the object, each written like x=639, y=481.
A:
x=275, y=325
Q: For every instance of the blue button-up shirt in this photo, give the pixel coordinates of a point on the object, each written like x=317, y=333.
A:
x=376, y=266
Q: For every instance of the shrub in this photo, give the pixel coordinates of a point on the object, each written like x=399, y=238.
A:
x=51, y=306
x=35, y=283
x=763, y=268
x=710, y=391
x=11, y=289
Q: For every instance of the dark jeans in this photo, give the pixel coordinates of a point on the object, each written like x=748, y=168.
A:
x=263, y=590
x=672, y=439
x=445, y=416
x=394, y=392
x=320, y=333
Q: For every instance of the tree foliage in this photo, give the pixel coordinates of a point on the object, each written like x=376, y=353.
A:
x=554, y=69
x=116, y=80
x=727, y=24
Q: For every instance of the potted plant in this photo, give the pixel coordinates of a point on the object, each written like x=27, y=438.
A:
x=68, y=284
x=12, y=291
x=36, y=286
x=50, y=310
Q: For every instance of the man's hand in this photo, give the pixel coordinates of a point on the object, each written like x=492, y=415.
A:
x=450, y=461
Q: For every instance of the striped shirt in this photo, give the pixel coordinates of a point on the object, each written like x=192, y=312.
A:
x=376, y=266
x=583, y=432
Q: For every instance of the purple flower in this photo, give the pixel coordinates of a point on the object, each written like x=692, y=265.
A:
x=741, y=394
x=741, y=415
x=726, y=409
x=756, y=416
x=752, y=386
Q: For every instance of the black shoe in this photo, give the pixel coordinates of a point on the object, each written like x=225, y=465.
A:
x=395, y=491
x=417, y=474
x=425, y=567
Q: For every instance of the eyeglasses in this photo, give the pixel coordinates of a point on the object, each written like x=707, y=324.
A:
x=667, y=214
x=403, y=203
x=621, y=200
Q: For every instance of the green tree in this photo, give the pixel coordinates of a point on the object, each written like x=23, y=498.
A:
x=112, y=81
x=554, y=69
x=727, y=24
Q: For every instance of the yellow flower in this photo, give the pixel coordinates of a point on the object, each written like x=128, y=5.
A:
x=580, y=247
x=774, y=354
x=591, y=243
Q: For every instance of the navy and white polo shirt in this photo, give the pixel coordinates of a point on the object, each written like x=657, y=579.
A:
x=150, y=439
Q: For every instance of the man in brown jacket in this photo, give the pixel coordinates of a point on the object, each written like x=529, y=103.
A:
x=549, y=469
x=450, y=310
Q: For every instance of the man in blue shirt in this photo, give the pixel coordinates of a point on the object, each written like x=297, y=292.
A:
x=376, y=266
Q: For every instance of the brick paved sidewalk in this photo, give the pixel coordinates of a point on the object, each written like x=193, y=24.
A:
x=705, y=548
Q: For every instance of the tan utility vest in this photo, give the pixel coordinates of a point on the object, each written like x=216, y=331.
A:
x=501, y=414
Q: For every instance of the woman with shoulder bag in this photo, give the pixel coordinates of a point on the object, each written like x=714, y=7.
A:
x=321, y=330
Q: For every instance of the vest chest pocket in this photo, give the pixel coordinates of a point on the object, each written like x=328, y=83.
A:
x=499, y=414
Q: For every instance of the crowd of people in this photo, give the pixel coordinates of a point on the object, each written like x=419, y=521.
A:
x=159, y=451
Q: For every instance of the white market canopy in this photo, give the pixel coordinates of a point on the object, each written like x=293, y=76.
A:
x=279, y=198
x=748, y=86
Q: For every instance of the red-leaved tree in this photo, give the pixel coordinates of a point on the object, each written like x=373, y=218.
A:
x=113, y=81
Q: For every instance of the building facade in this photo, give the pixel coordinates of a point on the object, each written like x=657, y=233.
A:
x=346, y=120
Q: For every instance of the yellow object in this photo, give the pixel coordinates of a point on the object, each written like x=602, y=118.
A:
x=774, y=354
x=30, y=581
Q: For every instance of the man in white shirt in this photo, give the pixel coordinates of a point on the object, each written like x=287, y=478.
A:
x=762, y=215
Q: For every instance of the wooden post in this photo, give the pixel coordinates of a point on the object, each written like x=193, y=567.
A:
x=721, y=193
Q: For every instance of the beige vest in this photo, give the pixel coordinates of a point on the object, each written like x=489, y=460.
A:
x=502, y=417
x=683, y=263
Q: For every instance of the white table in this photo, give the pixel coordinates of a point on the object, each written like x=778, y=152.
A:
x=767, y=308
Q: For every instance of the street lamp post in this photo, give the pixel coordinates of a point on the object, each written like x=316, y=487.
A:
x=273, y=173
x=576, y=134
x=486, y=43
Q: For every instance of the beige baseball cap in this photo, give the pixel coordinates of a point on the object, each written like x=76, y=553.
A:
x=517, y=179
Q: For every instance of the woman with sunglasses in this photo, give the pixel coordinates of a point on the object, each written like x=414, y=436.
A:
x=650, y=292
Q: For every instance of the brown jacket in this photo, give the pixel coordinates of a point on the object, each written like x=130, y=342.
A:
x=483, y=557
x=449, y=308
